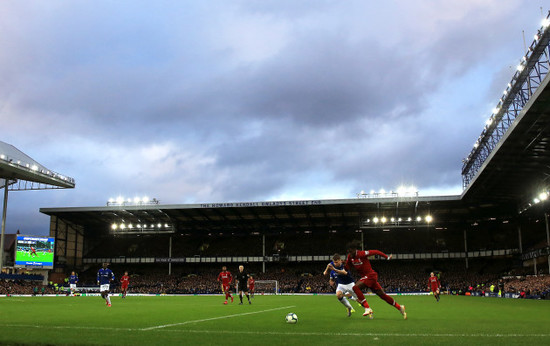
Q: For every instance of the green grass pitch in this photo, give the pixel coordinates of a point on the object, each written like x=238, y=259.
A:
x=322, y=320
x=40, y=256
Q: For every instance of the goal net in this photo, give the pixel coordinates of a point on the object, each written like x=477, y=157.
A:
x=265, y=287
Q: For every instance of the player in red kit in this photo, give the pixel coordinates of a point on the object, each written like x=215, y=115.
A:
x=225, y=278
x=435, y=285
x=358, y=259
x=124, y=282
x=251, y=283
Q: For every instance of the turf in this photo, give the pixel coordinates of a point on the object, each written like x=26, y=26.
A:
x=200, y=320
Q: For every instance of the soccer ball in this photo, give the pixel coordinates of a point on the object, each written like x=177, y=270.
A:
x=291, y=318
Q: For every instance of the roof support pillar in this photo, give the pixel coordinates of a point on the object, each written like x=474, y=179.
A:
x=4, y=210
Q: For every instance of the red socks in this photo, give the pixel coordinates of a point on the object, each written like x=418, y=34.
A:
x=360, y=297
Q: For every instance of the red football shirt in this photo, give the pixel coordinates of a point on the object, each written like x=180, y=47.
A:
x=434, y=282
x=225, y=277
x=251, y=283
x=361, y=263
x=125, y=280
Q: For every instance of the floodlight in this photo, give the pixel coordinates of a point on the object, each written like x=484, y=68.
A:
x=543, y=196
x=119, y=200
x=138, y=225
x=122, y=226
x=130, y=226
x=536, y=200
x=382, y=191
x=409, y=219
x=375, y=219
x=418, y=218
x=372, y=192
x=383, y=219
x=166, y=225
x=399, y=220
x=520, y=67
x=111, y=200
x=159, y=225
x=545, y=23
x=429, y=218
x=392, y=219
x=537, y=37
x=3, y=157
x=114, y=226
x=137, y=200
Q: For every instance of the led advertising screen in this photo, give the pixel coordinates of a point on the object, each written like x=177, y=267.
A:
x=34, y=252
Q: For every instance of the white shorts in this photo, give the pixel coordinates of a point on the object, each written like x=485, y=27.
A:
x=103, y=288
x=346, y=288
x=73, y=286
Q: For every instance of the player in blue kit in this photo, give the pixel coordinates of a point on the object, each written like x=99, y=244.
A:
x=104, y=278
x=73, y=280
x=344, y=282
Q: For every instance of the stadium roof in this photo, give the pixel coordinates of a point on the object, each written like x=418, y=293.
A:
x=518, y=169
x=21, y=172
x=274, y=216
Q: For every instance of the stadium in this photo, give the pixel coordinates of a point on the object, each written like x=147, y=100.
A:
x=490, y=242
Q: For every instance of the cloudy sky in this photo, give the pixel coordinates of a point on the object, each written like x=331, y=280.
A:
x=218, y=101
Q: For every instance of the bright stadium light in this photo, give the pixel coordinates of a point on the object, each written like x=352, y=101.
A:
x=137, y=200
x=545, y=23
x=418, y=218
x=119, y=200
x=130, y=226
x=543, y=196
x=383, y=219
x=392, y=219
x=122, y=226
x=114, y=226
x=429, y=218
x=375, y=219
x=520, y=67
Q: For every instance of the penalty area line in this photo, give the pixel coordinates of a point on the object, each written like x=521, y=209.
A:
x=214, y=318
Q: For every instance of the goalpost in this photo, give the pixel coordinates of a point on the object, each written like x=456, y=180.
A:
x=265, y=287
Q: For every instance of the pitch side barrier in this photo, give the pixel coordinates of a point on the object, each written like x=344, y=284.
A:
x=95, y=294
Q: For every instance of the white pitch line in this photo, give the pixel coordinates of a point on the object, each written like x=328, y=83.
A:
x=215, y=318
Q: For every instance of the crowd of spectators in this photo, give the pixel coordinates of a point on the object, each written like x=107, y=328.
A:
x=535, y=287
x=394, y=276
